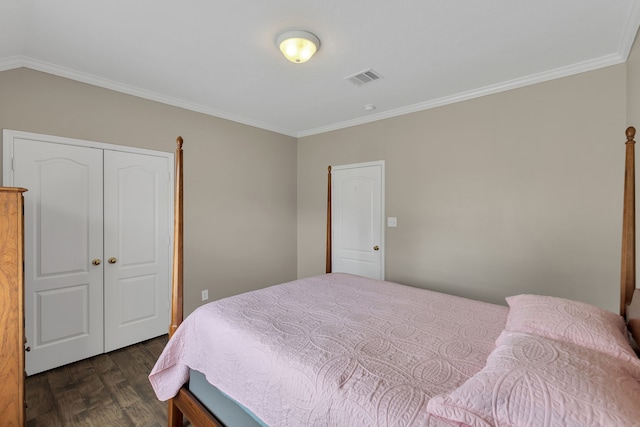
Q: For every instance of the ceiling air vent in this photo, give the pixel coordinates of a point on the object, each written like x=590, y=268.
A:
x=364, y=77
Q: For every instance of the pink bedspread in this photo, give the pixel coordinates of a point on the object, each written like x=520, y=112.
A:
x=333, y=350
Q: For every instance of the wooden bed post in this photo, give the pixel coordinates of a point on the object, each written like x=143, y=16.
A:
x=178, y=228
x=174, y=415
x=628, y=268
x=328, y=260
x=184, y=404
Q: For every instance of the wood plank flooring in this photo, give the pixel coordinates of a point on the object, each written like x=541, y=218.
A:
x=111, y=389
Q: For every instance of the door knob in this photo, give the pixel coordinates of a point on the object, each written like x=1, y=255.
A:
x=95, y=262
x=376, y=248
x=113, y=260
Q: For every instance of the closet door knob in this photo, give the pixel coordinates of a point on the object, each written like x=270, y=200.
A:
x=376, y=248
x=96, y=262
x=113, y=260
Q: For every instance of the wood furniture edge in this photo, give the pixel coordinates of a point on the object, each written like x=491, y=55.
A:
x=13, y=402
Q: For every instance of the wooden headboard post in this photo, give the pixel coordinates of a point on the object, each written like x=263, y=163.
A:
x=183, y=404
x=328, y=255
x=174, y=414
x=178, y=256
x=628, y=267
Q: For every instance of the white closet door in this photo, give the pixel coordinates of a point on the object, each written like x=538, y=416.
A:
x=137, y=252
x=357, y=213
x=63, y=235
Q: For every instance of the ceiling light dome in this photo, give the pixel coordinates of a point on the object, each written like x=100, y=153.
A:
x=298, y=46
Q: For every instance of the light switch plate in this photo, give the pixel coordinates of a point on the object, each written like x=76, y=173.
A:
x=392, y=221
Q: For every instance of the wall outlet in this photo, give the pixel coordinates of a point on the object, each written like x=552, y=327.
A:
x=205, y=295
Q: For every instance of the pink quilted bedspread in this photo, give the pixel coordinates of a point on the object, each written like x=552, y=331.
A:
x=333, y=350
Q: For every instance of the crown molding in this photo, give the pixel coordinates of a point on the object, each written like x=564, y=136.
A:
x=46, y=67
x=574, y=69
x=11, y=62
x=630, y=30
x=18, y=61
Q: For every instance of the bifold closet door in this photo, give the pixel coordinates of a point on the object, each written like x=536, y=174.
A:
x=63, y=251
x=97, y=245
x=136, y=247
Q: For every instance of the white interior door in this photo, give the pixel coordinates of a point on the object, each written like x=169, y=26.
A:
x=137, y=192
x=357, y=214
x=63, y=234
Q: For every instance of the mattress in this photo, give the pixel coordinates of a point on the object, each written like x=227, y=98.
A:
x=335, y=349
x=229, y=412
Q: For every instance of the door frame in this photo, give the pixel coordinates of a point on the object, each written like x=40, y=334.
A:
x=380, y=163
x=7, y=151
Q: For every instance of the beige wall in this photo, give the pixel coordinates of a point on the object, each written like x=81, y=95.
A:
x=514, y=192
x=518, y=192
x=240, y=182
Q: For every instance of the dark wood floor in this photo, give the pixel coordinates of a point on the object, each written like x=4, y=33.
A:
x=111, y=389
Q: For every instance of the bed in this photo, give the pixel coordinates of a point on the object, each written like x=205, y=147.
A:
x=344, y=350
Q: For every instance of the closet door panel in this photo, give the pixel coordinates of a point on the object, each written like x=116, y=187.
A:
x=137, y=230
x=63, y=235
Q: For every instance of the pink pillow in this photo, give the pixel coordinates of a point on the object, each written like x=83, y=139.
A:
x=570, y=321
x=533, y=381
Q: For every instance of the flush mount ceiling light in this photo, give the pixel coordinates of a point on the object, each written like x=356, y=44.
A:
x=298, y=46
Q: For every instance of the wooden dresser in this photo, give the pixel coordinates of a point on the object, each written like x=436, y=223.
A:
x=12, y=393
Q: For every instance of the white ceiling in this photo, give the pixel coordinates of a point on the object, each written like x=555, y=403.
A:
x=220, y=58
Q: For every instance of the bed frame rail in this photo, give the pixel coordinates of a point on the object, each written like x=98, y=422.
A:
x=186, y=404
